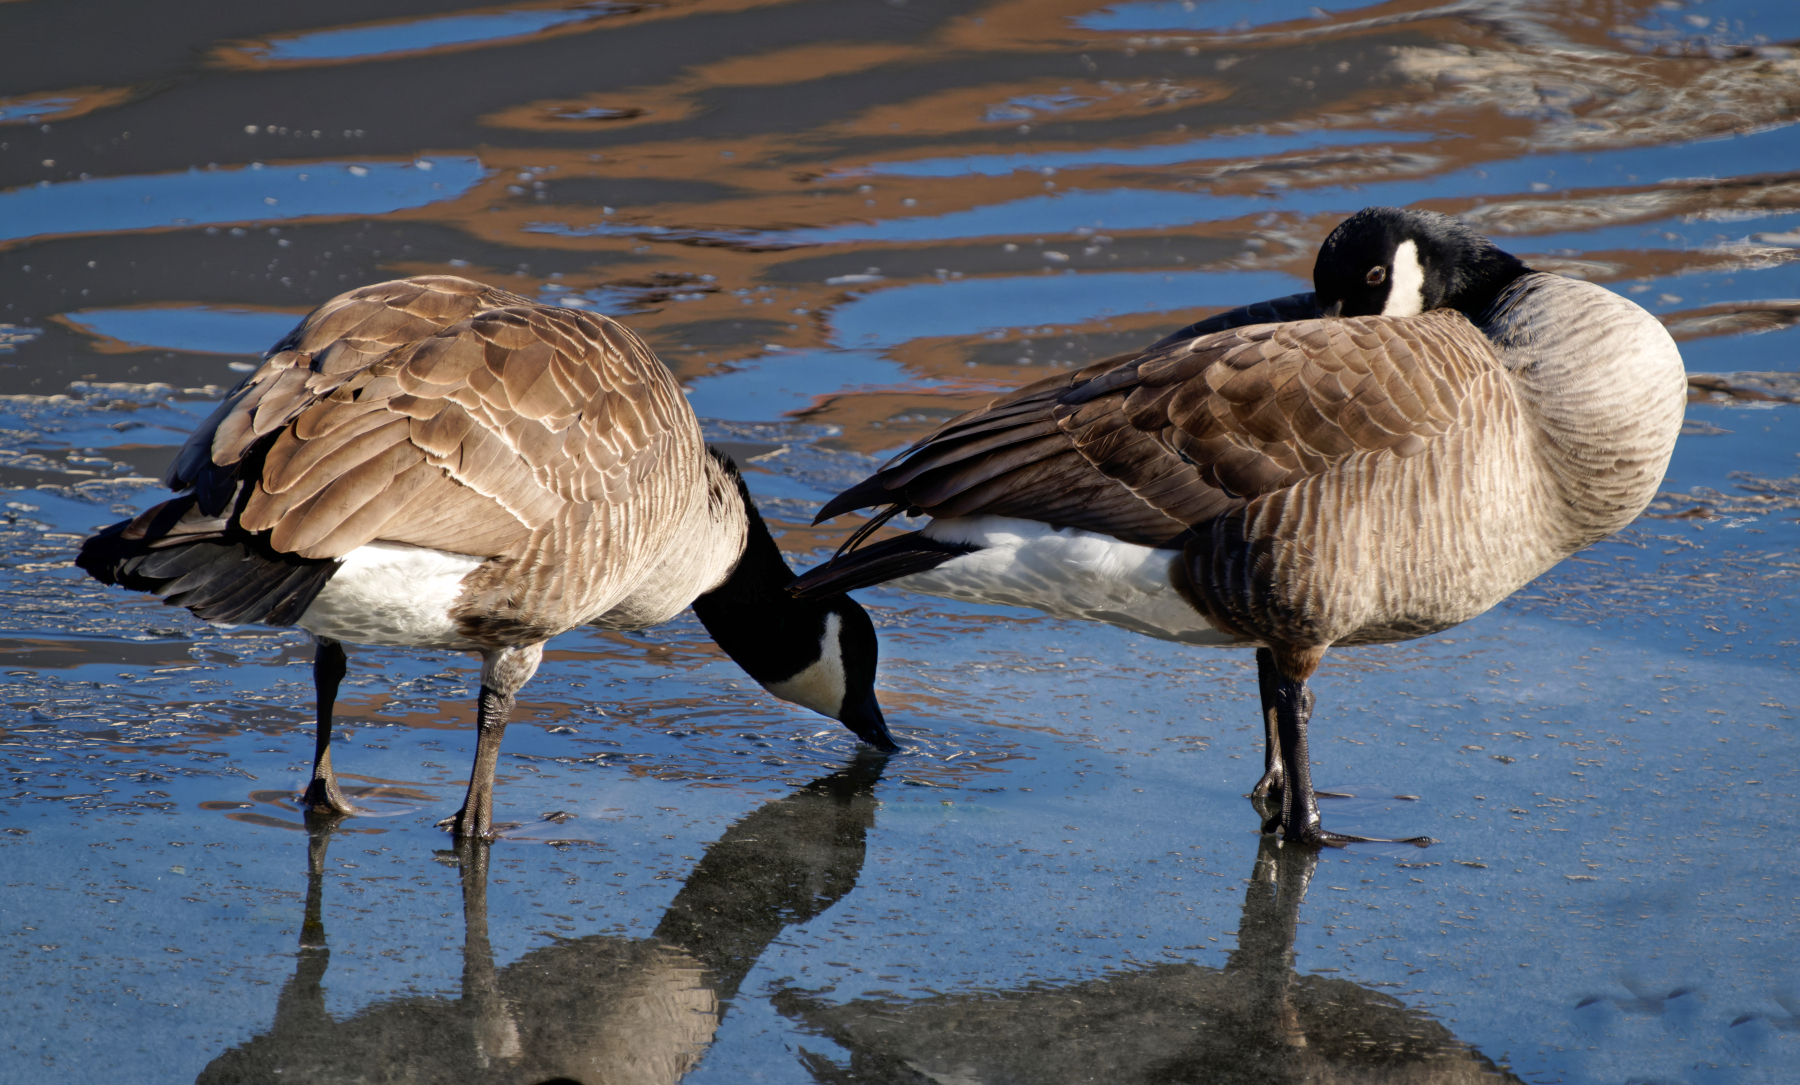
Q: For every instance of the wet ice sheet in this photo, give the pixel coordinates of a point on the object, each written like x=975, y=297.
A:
x=1607, y=761
x=1062, y=863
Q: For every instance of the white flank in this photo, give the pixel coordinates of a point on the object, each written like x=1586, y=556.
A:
x=1406, y=286
x=1068, y=573
x=389, y=594
x=819, y=687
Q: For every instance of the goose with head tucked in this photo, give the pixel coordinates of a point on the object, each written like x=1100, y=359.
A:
x=433, y=463
x=1393, y=453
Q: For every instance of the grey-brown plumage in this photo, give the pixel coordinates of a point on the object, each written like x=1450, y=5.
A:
x=433, y=462
x=440, y=413
x=1433, y=428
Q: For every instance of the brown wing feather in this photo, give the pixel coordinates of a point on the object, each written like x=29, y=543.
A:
x=1148, y=445
x=441, y=413
x=336, y=341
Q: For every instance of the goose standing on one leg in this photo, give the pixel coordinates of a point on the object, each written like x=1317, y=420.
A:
x=1386, y=457
x=434, y=463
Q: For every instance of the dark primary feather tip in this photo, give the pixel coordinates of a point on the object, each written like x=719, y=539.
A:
x=876, y=563
x=869, y=491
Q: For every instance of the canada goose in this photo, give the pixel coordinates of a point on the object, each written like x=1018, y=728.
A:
x=1390, y=455
x=434, y=463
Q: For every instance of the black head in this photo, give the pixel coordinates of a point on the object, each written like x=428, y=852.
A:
x=817, y=653
x=1387, y=261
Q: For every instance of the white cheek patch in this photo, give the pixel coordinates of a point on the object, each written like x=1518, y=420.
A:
x=1406, y=285
x=821, y=686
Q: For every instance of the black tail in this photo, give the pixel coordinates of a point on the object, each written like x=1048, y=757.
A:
x=877, y=563
x=203, y=563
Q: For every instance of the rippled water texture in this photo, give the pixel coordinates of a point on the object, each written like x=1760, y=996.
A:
x=840, y=222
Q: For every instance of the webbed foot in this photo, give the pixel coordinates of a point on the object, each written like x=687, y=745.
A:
x=322, y=798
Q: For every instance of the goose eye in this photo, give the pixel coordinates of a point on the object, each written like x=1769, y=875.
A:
x=1376, y=276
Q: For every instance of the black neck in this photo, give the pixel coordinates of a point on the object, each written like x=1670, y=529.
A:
x=1478, y=271
x=752, y=616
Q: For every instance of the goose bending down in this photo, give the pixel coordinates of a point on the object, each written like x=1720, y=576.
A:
x=1385, y=457
x=434, y=463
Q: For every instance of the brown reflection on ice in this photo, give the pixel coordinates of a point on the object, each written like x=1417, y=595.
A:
x=1253, y=1021
x=62, y=105
x=600, y=1009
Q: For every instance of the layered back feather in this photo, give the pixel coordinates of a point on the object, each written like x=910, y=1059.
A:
x=441, y=413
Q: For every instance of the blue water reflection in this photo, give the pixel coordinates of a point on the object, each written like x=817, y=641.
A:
x=1209, y=14
x=24, y=110
x=1713, y=22
x=357, y=42
x=781, y=382
x=257, y=193
x=197, y=328
x=971, y=306
x=1771, y=150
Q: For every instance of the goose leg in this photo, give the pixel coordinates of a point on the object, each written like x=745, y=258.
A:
x=322, y=795
x=1299, y=806
x=503, y=674
x=1269, y=788
x=1267, y=795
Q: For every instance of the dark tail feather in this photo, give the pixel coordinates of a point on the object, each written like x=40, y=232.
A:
x=869, y=491
x=197, y=561
x=877, y=563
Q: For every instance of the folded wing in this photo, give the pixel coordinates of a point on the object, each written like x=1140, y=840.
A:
x=435, y=412
x=1146, y=446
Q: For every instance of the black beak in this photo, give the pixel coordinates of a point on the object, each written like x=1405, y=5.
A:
x=866, y=721
x=1336, y=308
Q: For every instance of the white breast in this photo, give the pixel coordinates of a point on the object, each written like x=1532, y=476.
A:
x=389, y=594
x=1064, y=572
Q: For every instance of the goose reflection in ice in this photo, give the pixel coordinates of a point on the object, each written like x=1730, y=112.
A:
x=610, y=1010
x=600, y=1010
x=1252, y=1021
